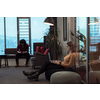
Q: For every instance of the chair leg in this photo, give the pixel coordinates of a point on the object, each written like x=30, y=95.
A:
x=97, y=80
x=34, y=67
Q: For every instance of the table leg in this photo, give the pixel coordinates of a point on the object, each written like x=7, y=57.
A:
x=7, y=62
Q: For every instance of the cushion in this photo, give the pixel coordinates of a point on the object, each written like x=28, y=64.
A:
x=65, y=77
x=42, y=49
x=46, y=51
x=38, y=49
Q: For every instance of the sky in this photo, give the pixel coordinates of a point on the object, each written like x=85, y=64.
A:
x=37, y=27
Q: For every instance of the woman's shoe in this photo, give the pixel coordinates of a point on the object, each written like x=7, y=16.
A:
x=35, y=76
x=28, y=73
x=17, y=65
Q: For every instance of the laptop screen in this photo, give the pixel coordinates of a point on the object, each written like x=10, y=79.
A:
x=49, y=57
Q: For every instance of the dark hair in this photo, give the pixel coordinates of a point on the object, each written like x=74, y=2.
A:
x=22, y=41
x=71, y=44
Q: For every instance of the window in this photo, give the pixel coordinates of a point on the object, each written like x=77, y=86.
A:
x=2, y=43
x=11, y=32
x=38, y=29
x=13, y=29
x=23, y=25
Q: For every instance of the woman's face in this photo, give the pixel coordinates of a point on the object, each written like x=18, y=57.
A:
x=68, y=47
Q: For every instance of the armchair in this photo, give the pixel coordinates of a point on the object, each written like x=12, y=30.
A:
x=38, y=59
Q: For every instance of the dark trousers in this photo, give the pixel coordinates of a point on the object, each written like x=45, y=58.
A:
x=49, y=66
x=26, y=55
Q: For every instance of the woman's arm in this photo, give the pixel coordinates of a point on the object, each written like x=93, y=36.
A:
x=56, y=62
x=18, y=47
x=70, y=63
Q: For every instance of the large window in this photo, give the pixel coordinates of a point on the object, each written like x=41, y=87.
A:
x=2, y=43
x=38, y=29
x=23, y=29
x=9, y=37
x=11, y=32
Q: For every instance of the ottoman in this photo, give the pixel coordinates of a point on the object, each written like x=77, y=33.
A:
x=48, y=73
x=65, y=77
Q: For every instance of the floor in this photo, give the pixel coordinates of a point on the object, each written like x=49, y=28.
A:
x=12, y=75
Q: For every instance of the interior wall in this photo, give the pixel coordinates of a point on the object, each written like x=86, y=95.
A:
x=70, y=28
x=60, y=37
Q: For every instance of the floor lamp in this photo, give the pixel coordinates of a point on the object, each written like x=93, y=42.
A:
x=50, y=21
x=93, y=20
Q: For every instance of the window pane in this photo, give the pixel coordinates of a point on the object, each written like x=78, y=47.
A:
x=94, y=50
x=81, y=32
x=2, y=46
x=11, y=32
x=24, y=29
x=38, y=29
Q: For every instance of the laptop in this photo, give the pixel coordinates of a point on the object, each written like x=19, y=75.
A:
x=49, y=57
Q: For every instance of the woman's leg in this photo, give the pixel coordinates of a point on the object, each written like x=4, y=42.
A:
x=42, y=69
x=46, y=66
x=27, y=57
x=49, y=72
x=49, y=66
x=17, y=58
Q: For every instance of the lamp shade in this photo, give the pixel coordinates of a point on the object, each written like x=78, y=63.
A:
x=49, y=21
x=93, y=20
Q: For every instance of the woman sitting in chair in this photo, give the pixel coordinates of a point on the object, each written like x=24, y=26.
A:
x=67, y=64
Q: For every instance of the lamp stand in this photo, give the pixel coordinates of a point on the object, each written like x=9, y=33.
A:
x=54, y=55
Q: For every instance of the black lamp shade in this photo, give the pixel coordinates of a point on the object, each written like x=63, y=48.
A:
x=49, y=21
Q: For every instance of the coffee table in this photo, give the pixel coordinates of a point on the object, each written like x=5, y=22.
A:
x=3, y=56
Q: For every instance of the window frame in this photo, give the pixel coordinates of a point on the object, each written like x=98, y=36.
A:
x=29, y=30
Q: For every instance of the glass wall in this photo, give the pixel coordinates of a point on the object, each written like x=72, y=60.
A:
x=81, y=31
x=94, y=50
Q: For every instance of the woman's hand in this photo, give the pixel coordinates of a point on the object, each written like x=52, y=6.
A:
x=55, y=62
x=18, y=51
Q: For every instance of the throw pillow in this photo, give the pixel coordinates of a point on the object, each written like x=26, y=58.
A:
x=38, y=49
x=46, y=51
x=41, y=49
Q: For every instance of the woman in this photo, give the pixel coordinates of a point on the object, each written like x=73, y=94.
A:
x=67, y=64
x=22, y=50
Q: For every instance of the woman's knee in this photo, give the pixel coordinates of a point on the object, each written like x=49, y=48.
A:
x=47, y=62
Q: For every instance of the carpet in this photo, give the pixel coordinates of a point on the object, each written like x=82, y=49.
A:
x=12, y=75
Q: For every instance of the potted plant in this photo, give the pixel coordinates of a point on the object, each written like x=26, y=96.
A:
x=50, y=42
x=80, y=37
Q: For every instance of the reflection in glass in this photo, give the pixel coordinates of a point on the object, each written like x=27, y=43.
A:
x=94, y=51
x=81, y=30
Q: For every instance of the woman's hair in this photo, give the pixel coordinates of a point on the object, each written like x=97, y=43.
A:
x=71, y=44
x=22, y=41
